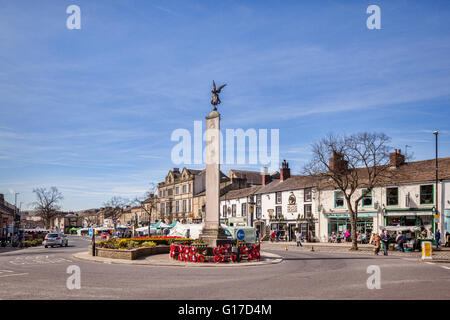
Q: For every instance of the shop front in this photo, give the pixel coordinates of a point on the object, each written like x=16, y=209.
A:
x=339, y=223
x=423, y=218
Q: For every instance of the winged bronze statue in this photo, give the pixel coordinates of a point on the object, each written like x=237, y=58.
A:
x=215, y=94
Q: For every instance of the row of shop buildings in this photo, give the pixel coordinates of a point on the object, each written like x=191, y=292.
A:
x=285, y=202
x=8, y=212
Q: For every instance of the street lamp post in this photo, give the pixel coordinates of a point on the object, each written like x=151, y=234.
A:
x=437, y=176
x=14, y=217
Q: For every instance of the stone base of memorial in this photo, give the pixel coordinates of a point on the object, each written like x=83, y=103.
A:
x=130, y=254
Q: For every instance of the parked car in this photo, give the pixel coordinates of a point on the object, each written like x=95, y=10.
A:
x=55, y=239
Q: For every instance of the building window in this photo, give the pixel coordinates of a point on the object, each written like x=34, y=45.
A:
x=278, y=197
x=184, y=188
x=177, y=206
x=244, y=210
x=170, y=192
x=338, y=199
x=308, y=194
x=427, y=194
x=258, y=200
x=258, y=212
x=189, y=188
x=184, y=206
x=224, y=211
x=392, y=196
x=177, y=190
x=278, y=212
x=160, y=193
x=233, y=210
x=163, y=207
x=367, y=199
x=308, y=211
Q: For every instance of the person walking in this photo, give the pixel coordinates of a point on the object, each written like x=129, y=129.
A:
x=272, y=236
x=385, y=240
x=400, y=241
x=375, y=241
x=298, y=237
x=437, y=237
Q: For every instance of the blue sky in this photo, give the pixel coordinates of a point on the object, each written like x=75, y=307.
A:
x=91, y=111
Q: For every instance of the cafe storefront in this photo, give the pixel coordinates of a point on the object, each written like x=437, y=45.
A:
x=340, y=222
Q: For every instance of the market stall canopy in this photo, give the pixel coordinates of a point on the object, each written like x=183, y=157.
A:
x=173, y=224
x=73, y=229
x=400, y=228
x=160, y=225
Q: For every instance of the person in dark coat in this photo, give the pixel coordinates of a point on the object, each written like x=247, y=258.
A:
x=385, y=240
x=437, y=237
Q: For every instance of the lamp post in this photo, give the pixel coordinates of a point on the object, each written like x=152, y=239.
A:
x=14, y=217
x=437, y=177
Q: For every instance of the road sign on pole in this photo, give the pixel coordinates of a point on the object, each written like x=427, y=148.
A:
x=91, y=232
x=240, y=234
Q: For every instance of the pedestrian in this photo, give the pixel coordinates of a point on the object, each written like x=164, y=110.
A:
x=385, y=240
x=437, y=237
x=347, y=236
x=298, y=237
x=272, y=236
x=375, y=241
x=399, y=240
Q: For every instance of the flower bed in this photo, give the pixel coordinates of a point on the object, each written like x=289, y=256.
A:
x=131, y=254
x=140, y=242
x=226, y=253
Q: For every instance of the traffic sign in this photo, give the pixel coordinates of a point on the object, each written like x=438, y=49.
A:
x=91, y=232
x=240, y=234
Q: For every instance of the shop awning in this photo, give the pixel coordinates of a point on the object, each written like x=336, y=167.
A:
x=408, y=213
x=363, y=214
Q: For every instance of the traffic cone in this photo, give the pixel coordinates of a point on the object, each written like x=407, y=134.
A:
x=312, y=248
x=285, y=248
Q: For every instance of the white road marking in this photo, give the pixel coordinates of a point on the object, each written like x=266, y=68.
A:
x=14, y=274
x=429, y=262
x=445, y=267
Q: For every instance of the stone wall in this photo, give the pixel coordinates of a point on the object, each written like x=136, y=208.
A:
x=132, y=254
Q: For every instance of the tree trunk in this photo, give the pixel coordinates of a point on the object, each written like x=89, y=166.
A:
x=353, y=216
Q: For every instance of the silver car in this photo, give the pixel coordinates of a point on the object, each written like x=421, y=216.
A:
x=55, y=239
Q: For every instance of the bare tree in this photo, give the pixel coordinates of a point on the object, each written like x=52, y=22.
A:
x=148, y=204
x=47, y=204
x=359, y=161
x=114, y=208
x=90, y=217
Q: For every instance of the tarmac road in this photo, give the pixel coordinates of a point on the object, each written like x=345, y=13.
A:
x=40, y=273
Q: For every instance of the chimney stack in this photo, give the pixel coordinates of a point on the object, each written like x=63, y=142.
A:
x=396, y=158
x=285, y=172
x=266, y=178
x=2, y=198
x=337, y=162
x=177, y=170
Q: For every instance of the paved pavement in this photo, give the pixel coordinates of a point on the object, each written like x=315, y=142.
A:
x=441, y=255
x=39, y=273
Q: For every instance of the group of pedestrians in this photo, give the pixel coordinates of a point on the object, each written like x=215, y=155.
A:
x=377, y=240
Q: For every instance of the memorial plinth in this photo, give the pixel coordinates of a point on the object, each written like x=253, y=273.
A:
x=212, y=234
